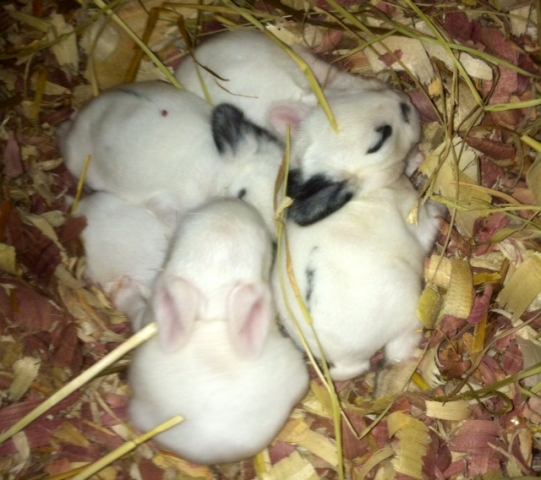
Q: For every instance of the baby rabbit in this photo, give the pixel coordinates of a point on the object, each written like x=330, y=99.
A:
x=358, y=262
x=377, y=134
x=166, y=149
x=218, y=359
x=359, y=273
x=252, y=72
x=125, y=248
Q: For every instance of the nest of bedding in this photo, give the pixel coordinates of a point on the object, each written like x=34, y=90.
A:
x=469, y=406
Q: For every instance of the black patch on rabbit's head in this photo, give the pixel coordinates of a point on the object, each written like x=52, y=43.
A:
x=316, y=198
x=230, y=127
x=385, y=132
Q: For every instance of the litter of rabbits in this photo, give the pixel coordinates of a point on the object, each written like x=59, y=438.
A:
x=469, y=402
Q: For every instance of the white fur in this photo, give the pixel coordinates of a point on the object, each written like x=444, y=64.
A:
x=359, y=271
x=219, y=359
x=125, y=248
x=254, y=73
x=152, y=144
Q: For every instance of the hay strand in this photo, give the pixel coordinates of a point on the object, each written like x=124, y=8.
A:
x=126, y=448
x=136, y=340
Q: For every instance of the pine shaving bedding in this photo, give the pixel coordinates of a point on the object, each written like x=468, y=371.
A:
x=469, y=405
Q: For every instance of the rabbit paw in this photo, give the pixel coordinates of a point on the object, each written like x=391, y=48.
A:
x=402, y=347
x=347, y=371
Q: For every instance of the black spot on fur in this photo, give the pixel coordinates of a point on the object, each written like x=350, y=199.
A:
x=405, y=110
x=310, y=272
x=230, y=127
x=226, y=124
x=316, y=198
x=294, y=181
x=241, y=194
x=385, y=131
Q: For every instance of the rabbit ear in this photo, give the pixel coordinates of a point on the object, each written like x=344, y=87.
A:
x=130, y=297
x=288, y=114
x=177, y=304
x=316, y=198
x=250, y=315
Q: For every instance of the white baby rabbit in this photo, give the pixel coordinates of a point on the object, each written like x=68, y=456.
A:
x=377, y=134
x=218, y=359
x=157, y=146
x=125, y=248
x=358, y=262
x=359, y=272
x=249, y=70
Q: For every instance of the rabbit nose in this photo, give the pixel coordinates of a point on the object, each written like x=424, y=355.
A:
x=405, y=110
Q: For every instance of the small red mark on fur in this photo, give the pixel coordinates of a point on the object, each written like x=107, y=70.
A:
x=165, y=113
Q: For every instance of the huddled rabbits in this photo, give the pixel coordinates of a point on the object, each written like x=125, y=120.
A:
x=358, y=261
x=185, y=195
x=156, y=146
x=248, y=70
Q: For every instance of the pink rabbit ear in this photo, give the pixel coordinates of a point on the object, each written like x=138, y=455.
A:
x=288, y=114
x=177, y=304
x=129, y=297
x=250, y=315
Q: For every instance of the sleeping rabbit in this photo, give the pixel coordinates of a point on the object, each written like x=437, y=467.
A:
x=125, y=247
x=166, y=149
x=218, y=359
x=358, y=262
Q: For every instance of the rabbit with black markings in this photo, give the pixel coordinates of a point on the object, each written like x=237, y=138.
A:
x=218, y=359
x=166, y=149
x=359, y=272
x=249, y=70
x=358, y=262
x=125, y=247
x=263, y=84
